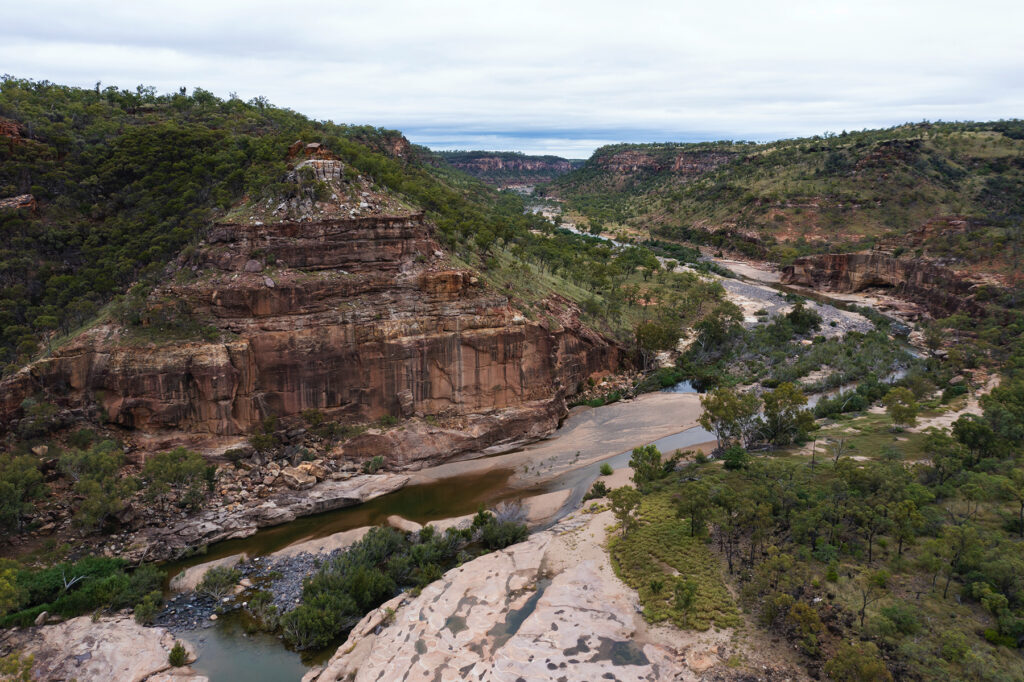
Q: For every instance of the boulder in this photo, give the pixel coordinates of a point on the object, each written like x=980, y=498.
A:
x=403, y=524
x=315, y=469
x=297, y=478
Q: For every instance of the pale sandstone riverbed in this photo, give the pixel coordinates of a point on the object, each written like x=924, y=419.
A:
x=594, y=433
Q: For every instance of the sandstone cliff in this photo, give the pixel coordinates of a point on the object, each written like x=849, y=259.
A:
x=348, y=307
x=506, y=168
x=940, y=290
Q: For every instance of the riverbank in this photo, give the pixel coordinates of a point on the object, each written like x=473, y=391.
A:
x=528, y=612
x=587, y=436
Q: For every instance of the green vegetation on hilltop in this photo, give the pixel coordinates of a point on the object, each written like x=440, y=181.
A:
x=127, y=179
x=845, y=191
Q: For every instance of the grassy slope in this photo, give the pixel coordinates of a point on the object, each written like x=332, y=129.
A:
x=843, y=191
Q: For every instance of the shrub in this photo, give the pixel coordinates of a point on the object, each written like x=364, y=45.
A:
x=71, y=589
x=735, y=458
x=146, y=610
x=904, y=617
x=261, y=606
x=606, y=469
x=510, y=512
x=178, y=656
x=498, y=534
x=858, y=662
x=372, y=466
x=95, y=472
x=599, y=489
x=218, y=582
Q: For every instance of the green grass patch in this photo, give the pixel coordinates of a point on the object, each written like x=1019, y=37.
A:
x=650, y=556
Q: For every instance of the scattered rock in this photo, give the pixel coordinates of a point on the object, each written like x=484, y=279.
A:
x=298, y=479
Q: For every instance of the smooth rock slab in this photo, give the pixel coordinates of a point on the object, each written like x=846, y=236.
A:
x=110, y=649
x=499, y=618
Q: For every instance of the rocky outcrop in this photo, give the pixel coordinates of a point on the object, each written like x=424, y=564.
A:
x=685, y=164
x=108, y=649
x=937, y=288
x=358, y=317
x=509, y=168
x=550, y=608
x=499, y=617
x=163, y=542
x=25, y=202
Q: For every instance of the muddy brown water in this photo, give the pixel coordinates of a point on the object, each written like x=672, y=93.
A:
x=227, y=653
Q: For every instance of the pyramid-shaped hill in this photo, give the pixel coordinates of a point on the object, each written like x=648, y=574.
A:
x=337, y=299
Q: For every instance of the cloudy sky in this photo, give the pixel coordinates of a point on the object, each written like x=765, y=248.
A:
x=550, y=77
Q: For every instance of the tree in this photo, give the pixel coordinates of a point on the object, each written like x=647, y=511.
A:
x=718, y=326
x=906, y=522
x=625, y=502
x=1014, y=490
x=646, y=465
x=651, y=337
x=785, y=420
x=96, y=475
x=20, y=483
x=1003, y=408
x=871, y=587
x=901, y=407
x=803, y=319
x=694, y=502
x=975, y=433
x=730, y=415
x=181, y=471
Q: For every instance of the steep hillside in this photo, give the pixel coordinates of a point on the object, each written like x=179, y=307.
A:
x=954, y=192
x=272, y=275
x=509, y=169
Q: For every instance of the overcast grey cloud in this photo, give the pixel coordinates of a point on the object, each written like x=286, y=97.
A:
x=550, y=77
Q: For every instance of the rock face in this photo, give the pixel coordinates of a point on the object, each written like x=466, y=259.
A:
x=358, y=317
x=110, y=649
x=498, y=618
x=158, y=543
x=510, y=169
x=937, y=288
x=687, y=164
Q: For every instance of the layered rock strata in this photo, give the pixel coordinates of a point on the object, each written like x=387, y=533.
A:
x=937, y=288
x=358, y=317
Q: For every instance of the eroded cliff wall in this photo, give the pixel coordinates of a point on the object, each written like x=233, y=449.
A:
x=937, y=288
x=358, y=317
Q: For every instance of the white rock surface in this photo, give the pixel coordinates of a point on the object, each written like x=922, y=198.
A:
x=110, y=649
x=499, y=617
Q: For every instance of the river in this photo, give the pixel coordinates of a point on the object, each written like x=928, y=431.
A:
x=569, y=459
